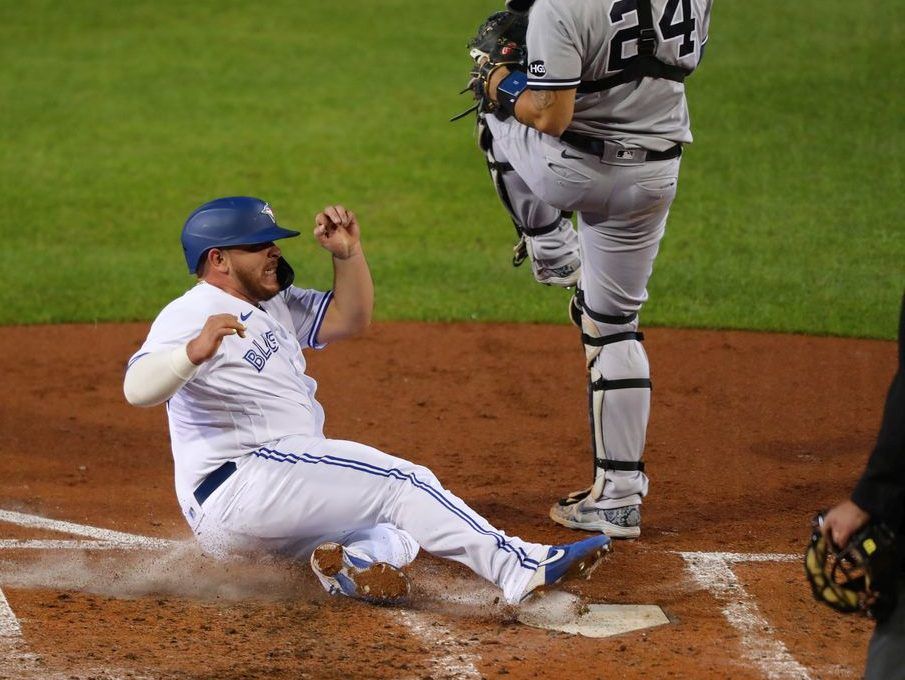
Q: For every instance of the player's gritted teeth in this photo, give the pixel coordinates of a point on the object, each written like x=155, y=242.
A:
x=254, y=269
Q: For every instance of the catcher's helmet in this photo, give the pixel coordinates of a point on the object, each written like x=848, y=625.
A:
x=859, y=577
x=231, y=221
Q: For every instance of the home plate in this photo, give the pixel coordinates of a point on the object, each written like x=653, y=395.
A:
x=566, y=613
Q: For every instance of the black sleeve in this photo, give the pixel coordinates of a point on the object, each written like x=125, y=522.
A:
x=881, y=489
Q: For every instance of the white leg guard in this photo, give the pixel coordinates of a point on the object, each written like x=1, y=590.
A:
x=618, y=404
x=618, y=407
x=546, y=236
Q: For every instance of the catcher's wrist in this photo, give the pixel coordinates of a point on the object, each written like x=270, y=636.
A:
x=490, y=71
x=509, y=89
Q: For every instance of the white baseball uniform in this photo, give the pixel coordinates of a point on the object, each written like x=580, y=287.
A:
x=253, y=405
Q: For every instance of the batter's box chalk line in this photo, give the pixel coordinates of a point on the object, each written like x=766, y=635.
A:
x=713, y=572
x=15, y=659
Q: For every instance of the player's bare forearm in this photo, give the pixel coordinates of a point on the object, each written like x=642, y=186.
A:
x=353, y=298
x=549, y=111
x=349, y=313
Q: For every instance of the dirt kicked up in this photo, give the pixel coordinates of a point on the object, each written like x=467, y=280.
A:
x=750, y=434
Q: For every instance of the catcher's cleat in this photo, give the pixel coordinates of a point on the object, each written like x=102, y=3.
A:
x=568, y=562
x=565, y=275
x=343, y=571
x=577, y=511
x=554, y=253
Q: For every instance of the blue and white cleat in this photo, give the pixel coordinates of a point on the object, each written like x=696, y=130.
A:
x=343, y=571
x=568, y=562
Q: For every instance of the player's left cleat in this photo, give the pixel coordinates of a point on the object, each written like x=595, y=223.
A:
x=343, y=571
x=568, y=562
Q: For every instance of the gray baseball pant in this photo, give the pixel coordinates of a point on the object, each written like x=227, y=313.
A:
x=622, y=209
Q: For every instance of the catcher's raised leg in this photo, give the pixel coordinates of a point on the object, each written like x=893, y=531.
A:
x=546, y=236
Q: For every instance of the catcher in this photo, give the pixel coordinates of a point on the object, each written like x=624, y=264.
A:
x=856, y=557
x=594, y=123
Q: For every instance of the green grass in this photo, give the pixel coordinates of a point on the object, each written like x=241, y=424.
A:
x=117, y=119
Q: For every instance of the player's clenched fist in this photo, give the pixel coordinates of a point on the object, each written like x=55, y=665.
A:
x=208, y=341
x=337, y=230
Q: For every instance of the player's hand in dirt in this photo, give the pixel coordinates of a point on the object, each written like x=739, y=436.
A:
x=337, y=230
x=208, y=341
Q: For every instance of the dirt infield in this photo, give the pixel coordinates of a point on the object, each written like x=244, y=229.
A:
x=750, y=434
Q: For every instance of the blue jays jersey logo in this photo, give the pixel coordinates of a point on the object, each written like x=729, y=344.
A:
x=264, y=347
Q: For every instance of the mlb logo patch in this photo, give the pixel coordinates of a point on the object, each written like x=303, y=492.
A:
x=625, y=154
x=266, y=210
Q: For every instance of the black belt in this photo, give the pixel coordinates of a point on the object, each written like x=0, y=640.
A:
x=597, y=147
x=213, y=481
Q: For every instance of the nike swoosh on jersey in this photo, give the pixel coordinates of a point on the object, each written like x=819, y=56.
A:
x=557, y=554
x=244, y=317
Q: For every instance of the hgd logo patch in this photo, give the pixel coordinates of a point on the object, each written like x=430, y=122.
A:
x=537, y=68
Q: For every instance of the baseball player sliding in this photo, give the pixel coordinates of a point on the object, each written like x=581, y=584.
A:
x=589, y=115
x=254, y=472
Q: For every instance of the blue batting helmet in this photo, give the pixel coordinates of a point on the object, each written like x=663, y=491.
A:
x=225, y=222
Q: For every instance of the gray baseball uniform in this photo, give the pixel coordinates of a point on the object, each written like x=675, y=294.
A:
x=617, y=166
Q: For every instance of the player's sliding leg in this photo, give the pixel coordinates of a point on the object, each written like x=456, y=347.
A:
x=303, y=491
x=546, y=236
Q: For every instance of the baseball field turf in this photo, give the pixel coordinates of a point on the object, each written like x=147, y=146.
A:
x=117, y=119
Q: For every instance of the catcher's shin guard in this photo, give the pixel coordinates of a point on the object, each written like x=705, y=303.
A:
x=545, y=234
x=619, y=388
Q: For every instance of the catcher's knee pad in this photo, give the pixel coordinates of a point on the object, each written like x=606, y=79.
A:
x=619, y=388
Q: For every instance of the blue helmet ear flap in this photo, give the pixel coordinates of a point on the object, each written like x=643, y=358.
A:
x=285, y=273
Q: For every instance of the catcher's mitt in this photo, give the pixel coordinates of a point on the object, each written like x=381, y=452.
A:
x=499, y=41
x=860, y=577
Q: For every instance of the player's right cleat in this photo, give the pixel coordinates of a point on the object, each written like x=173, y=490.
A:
x=568, y=562
x=577, y=511
x=555, y=255
x=557, y=274
x=343, y=571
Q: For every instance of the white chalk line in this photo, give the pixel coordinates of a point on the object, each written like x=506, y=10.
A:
x=449, y=660
x=713, y=572
x=52, y=544
x=744, y=557
x=37, y=522
x=9, y=624
x=14, y=655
